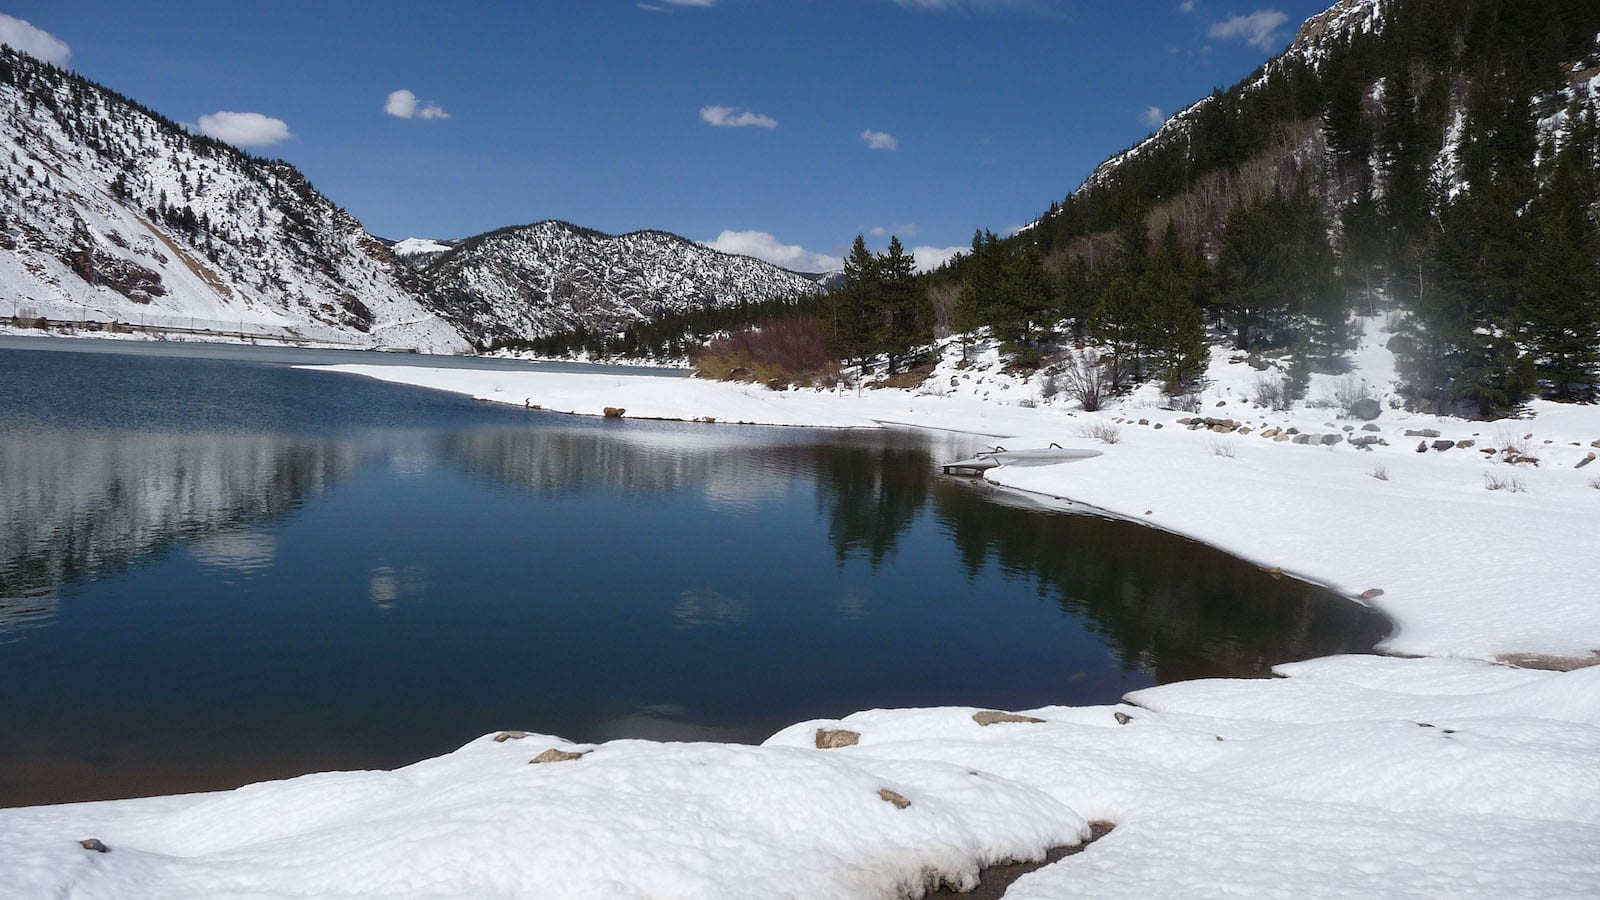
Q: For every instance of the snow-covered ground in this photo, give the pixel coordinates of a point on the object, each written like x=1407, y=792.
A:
x=1451, y=774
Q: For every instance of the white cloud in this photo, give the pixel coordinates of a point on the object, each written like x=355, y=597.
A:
x=880, y=140
x=1187, y=6
x=930, y=258
x=878, y=231
x=36, y=42
x=1153, y=116
x=403, y=104
x=245, y=129
x=734, y=117
x=1258, y=29
x=762, y=245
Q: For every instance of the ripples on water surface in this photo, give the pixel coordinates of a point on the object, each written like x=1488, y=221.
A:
x=216, y=571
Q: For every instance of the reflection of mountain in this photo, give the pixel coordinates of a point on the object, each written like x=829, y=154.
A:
x=1173, y=607
x=731, y=467
x=74, y=504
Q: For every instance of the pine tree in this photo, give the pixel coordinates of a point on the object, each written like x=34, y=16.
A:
x=901, y=322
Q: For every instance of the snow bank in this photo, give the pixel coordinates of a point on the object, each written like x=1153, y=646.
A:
x=1344, y=778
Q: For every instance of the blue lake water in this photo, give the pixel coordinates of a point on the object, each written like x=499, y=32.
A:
x=219, y=570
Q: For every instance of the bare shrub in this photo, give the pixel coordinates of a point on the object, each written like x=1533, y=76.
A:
x=1222, y=448
x=1050, y=387
x=1189, y=403
x=1271, y=390
x=782, y=350
x=1027, y=403
x=1380, y=472
x=1595, y=483
x=1511, y=484
x=1088, y=377
x=1104, y=432
x=1348, y=391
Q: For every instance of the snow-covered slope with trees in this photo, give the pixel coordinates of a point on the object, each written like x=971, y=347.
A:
x=529, y=281
x=109, y=211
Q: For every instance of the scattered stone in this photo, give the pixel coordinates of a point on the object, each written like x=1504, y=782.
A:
x=1349, y=428
x=835, y=738
x=1442, y=446
x=1466, y=444
x=1122, y=717
x=1185, y=420
x=1372, y=593
x=1422, y=446
x=1272, y=432
x=1303, y=438
x=1292, y=431
x=504, y=736
x=1279, y=438
x=1421, y=432
x=1328, y=440
x=1158, y=426
x=1144, y=421
x=614, y=412
x=994, y=716
x=1585, y=461
x=1488, y=450
x=94, y=844
x=1366, y=409
x=1246, y=430
x=556, y=755
x=1221, y=429
x=1370, y=427
x=888, y=796
x=1222, y=403
x=1595, y=444
x=1364, y=441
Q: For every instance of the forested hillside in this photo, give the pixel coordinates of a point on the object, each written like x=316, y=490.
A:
x=1435, y=159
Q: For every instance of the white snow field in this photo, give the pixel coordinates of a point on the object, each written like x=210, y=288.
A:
x=1450, y=774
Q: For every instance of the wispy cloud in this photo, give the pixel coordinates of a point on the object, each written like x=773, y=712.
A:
x=762, y=245
x=1187, y=6
x=1153, y=116
x=908, y=229
x=36, y=42
x=403, y=104
x=880, y=140
x=734, y=117
x=1258, y=29
x=245, y=129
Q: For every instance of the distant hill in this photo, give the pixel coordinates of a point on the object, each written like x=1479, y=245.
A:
x=551, y=277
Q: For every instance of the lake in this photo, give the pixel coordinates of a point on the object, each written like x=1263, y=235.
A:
x=216, y=569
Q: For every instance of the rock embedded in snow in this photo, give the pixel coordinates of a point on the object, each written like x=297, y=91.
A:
x=832, y=739
x=504, y=736
x=1366, y=409
x=1370, y=427
x=899, y=800
x=1372, y=593
x=1422, y=432
x=94, y=844
x=1443, y=445
x=994, y=717
x=555, y=754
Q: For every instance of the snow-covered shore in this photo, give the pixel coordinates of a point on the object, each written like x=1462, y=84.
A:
x=1452, y=774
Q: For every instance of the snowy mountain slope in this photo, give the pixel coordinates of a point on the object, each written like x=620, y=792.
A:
x=110, y=211
x=549, y=277
x=1321, y=47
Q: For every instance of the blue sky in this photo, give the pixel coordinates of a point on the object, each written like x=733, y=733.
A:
x=789, y=125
